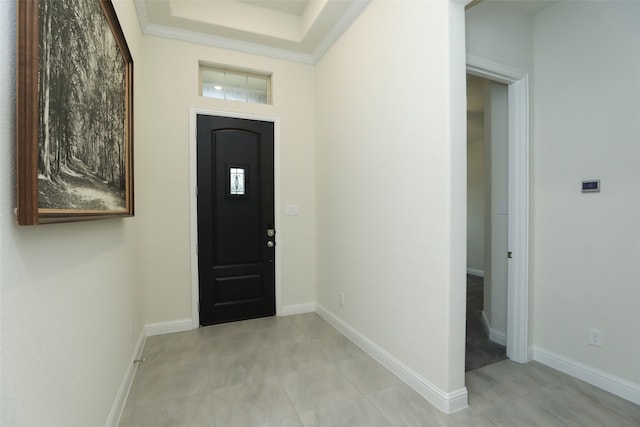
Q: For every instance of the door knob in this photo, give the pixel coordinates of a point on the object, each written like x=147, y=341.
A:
x=270, y=244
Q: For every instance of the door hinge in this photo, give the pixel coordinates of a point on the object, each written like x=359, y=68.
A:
x=509, y=254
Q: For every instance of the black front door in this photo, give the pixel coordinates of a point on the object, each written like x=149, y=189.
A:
x=236, y=235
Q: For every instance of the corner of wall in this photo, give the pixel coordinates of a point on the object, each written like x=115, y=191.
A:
x=447, y=402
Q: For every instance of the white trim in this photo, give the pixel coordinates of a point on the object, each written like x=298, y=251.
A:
x=169, y=327
x=226, y=43
x=518, y=228
x=498, y=337
x=492, y=70
x=193, y=208
x=475, y=272
x=290, y=310
x=125, y=385
x=518, y=266
x=446, y=402
x=494, y=335
x=611, y=383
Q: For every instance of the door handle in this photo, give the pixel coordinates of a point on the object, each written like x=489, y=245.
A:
x=270, y=244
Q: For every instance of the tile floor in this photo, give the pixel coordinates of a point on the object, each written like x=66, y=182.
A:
x=300, y=371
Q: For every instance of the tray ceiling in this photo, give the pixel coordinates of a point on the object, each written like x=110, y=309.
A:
x=298, y=30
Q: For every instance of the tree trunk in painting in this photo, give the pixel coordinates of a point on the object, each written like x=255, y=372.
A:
x=45, y=16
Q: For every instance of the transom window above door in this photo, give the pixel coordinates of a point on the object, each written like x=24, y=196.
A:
x=234, y=84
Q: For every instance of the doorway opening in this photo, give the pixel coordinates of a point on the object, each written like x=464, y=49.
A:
x=517, y=208
x=487, y=217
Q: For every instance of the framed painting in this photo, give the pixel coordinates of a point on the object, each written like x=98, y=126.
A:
x=74, y=113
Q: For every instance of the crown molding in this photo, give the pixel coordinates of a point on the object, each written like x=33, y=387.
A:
x=226, y=43
x=339, y=28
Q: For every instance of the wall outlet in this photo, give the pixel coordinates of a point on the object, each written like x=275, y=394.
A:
x=595, y=337
x=341, y=295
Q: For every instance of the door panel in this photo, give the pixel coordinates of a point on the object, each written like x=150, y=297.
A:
x=236, y=257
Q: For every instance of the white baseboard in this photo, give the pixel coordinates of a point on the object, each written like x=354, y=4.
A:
x=498, y=337
x=495, y=335
x=446, y=402
x=475, y=272
x=615, y=385
x=125, y=385
x=149, y=330
x=290, y=310
x=161, y=328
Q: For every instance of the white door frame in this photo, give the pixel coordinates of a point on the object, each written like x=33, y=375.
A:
x=193, y=200
x=518, y=223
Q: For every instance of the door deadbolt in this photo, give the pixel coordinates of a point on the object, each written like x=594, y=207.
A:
x=271, y=232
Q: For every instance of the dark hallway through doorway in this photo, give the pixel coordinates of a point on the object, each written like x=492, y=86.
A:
x=479, y=350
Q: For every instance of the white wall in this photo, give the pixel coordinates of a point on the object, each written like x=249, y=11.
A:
x=500, y=33
x=68, y=291
x=587, y=66
x=391, y=170
x=496, y=143
x=170, y=89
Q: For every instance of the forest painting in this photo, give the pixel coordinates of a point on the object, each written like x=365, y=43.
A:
x=83, y=78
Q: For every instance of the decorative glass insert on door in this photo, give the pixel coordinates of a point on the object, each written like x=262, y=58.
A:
x=237, y=181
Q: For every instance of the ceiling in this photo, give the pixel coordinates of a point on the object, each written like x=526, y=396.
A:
x=298, y=30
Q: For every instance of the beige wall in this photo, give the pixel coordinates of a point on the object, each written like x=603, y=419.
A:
x=170, y=90
x=68, y=291
x=392, y=184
